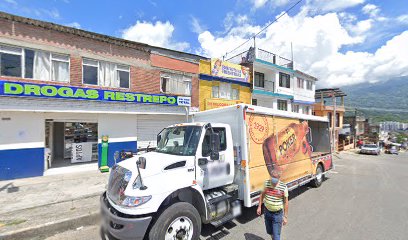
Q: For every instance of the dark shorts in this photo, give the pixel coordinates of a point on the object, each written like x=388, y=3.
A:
x=273, y=223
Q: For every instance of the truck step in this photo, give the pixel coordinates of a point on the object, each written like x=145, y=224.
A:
x=223, y=220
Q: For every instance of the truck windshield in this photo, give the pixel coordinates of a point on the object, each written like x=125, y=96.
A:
x=182, y=140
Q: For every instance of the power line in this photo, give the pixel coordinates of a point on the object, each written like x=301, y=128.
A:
x=263, y=29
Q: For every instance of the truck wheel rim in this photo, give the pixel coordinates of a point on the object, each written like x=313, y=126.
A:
x=180, y=229
x=319, y=174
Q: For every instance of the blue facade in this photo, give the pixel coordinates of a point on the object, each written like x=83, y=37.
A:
x=116, y=146
x=21, y=163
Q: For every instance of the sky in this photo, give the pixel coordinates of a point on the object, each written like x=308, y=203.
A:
x=341, y=42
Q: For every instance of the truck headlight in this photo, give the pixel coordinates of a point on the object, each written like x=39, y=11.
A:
x=135, y=201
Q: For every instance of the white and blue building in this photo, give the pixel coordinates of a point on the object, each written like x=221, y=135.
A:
x=63, y=89
x=276, y=84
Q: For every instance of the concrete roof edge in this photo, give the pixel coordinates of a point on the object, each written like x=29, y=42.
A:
x=78, y=32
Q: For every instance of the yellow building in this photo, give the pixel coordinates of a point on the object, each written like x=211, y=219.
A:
x=223, y=84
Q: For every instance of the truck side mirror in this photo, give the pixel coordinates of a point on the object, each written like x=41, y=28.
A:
x=141, y=162
x=158, y=139
x=215, y=146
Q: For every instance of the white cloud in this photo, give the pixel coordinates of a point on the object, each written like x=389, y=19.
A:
x=74, y=25
x=361, y=26
x=13, y=2
x=258, y=3
x=332, y=5
x=403, y=19
x=275, y=3
x=317, y=43
x=155, y=34
x=371, y=10
x=196, y=27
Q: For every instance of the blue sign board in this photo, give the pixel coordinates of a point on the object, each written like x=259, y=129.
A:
x=21, y=89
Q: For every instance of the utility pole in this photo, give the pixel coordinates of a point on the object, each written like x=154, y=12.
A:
x=334, y=120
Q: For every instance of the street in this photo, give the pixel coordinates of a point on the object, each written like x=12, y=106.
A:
x=365, y=197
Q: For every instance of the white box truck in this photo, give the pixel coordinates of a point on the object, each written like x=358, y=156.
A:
x=204, y=171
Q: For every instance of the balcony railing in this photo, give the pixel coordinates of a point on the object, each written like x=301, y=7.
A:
x=273, y=58
x=250, y=55
x=239, y=58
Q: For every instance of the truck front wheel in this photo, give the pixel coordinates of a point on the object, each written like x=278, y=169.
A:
x=180, y=221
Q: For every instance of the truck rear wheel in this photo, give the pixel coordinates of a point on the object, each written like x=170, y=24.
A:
x=319, y=176
x=180, y=221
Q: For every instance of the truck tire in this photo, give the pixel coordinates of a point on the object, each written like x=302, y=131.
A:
x=319, y=177
x=180, y=221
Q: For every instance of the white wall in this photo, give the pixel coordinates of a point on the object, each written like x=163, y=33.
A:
x=304, y=94
x=21, y=130
x=119, y=127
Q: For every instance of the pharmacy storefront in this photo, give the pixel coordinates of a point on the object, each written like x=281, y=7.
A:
x=46, y=126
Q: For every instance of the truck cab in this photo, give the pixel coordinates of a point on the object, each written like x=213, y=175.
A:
x=192, y=166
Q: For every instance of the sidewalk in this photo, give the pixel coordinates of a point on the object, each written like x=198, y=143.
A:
x=35, y=207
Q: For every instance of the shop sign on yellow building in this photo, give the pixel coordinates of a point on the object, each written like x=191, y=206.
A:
x=217, y=103
x=229, y=70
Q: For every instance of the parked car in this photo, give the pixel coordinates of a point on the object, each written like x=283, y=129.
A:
x=392, y=150
x=370, y=149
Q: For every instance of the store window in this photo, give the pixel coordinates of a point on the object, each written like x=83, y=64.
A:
x=176, y=84
x=309, y=85
x=105, y=74
x=259, y=79
x=301, y=83
x=225, y=91
x=295, y=108
x=283, y=105
x=33, y=64
x=284, y=80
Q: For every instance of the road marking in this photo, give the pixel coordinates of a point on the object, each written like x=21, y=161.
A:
x=334, y=172
x=339, y=165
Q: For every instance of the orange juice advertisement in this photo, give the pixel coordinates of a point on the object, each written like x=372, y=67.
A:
x=277, y=144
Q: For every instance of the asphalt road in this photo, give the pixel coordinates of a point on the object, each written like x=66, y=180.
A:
x=365, y=197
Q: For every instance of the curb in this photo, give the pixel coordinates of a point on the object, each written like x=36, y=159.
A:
x=52, y=228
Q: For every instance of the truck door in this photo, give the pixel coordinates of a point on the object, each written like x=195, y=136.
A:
x=213, y=173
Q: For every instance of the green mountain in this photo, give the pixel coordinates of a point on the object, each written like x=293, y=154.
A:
x=383, y=101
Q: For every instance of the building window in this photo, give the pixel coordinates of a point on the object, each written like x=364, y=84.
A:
x=284, y=80
x=301, y=83
x=215, y=91
x=105, y=74
x=309, y=85
x=283, y=105
x=337, y=119
x=255, y=102
x=295, y=108
x=10, y=61
x=176, y=84
x=330, y=116
x=33, y=64
x=259, y=80
x=306, y=110
x=225, y=91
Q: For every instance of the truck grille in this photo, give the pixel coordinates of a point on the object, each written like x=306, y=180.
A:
x=118, y=181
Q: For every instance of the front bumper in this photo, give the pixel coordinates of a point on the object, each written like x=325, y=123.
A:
x=120, y=226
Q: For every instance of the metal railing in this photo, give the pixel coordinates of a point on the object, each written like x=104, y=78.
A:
x=239, y=58
x=273, y=58
x=245, y=57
